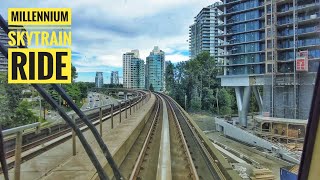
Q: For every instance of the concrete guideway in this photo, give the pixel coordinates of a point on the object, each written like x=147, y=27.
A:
x=223, y=169
x=164, y=154
x=164, y=162
x=160, y=136
x=58, y=162
x=189, y=153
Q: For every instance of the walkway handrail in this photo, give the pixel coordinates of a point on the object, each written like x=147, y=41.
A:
x=93, y=129
x=3, y=162
x=20, y=129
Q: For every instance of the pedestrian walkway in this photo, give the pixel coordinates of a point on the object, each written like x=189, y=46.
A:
x=58, y=162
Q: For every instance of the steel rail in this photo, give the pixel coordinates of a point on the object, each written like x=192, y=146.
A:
x=205, y=153
x=138, y=163
x=185, y=145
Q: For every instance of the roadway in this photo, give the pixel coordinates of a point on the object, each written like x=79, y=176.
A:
x=92, y=101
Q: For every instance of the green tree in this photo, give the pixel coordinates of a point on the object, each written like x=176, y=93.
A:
x=151, y=87
x=74, y=73
x=224, y=99
x=12, y=107
x=197, y=80
x=180, y=92
x=234, y=106
x=209, y=99
x=4, y=104
x=14, y=94
x=22, y=115
x=169, y=78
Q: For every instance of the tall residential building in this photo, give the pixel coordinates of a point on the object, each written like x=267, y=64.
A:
x=202, y=34
x=4, y=41
x=133, y=70
x=114, y=77
x=155, y=69
x=99, y=79
x=274, y=44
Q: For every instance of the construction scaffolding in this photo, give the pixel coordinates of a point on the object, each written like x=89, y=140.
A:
x=288, y=86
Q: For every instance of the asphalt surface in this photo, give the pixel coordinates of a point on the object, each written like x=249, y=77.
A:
x=93, y=100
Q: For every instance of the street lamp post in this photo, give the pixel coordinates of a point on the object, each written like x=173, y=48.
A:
x=185, y=101
x=217, y=101
x=40, y=108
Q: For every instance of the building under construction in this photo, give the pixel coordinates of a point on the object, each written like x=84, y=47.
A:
x=274, y=44
x=294, y=59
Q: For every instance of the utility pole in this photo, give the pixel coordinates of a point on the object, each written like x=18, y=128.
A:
x=59, y=97
x=217, y=101
x=185, y=101
x=40, y=107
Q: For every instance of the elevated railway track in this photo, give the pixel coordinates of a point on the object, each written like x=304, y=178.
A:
x=184, y=158
x=169, y=146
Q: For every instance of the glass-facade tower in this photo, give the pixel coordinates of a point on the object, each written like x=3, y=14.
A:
x=155, y=69
x=99, y=79
x=114, y=77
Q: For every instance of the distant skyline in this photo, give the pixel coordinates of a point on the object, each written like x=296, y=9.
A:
x=103, y=30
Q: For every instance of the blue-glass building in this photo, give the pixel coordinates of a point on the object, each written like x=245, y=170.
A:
x=274, y=44
x=99, y=79
x=155, y=69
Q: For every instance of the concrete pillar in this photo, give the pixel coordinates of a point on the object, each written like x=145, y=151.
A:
x=17, y=163
x=111, y=116
x=258, y=98
x=125, y=105
x=100, y=121
x=130, y=101
x=120, y=111
x=134, y=106
x=244, y=106
x=287, y=132
x=239, y=95
x=74, y=146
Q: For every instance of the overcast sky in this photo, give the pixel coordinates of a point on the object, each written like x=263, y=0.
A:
x=102, y=30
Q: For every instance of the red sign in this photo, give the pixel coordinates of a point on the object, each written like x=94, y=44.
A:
x=302, y=64
x=302, y=61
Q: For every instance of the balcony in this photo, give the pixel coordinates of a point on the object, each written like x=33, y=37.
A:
x=314, y=18
x=300, y=8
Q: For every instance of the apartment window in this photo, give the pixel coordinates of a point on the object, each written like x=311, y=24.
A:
x=269, y=44
x=269, y=68
x=269, y=8
x=269, y=56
